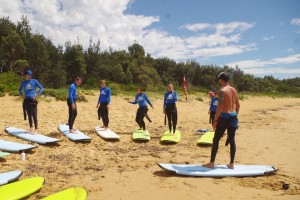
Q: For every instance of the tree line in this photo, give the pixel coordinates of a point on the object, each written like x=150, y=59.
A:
x=55, y=66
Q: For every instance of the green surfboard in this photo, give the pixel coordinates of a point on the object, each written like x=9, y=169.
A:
x=206, y=139
x=75, y=193
x=3, y=154
x=170, y=137
x=21, y=189
x=141, y=135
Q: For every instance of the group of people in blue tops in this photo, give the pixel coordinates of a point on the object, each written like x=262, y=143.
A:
x=223, y=116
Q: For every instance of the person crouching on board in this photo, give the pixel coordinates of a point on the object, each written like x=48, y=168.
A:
x=103, y=104
x=213, y=106
x=71, y=101
x=170, y=109
x=30, y=103
x=225, y=118
x=141, y=99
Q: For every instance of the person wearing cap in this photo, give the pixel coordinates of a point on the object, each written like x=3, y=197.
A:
x=212, y=106
x=103, y=104
x=71, y=102
x=30, y=96
x=225, y=119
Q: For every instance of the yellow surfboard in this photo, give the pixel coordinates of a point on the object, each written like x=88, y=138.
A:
x=141, y=135
x=170, y=137
x=75, y=193
x=21, y=189
x=206, y=139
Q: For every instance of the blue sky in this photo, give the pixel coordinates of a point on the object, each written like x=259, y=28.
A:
x=273, y=34
x=262, y=37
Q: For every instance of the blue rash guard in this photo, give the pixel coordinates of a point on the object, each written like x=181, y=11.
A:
x=105, y=95
x=142, y=100
x=29, y=87
x=213, y=104
x=170, y=98
x=72, y=95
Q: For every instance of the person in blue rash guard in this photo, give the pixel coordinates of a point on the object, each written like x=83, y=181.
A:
x=141, y=99
x=103, y=104
x=30, y=96
x=170, y=108
x=213, y=106
x=71, y=102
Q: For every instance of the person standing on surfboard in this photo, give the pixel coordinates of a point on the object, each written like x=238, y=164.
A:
x=103, y=104
x=141, y=99
x=225, y=119
x=213, y=106
x=30, y=103
x=170, y=108
x=71, y=101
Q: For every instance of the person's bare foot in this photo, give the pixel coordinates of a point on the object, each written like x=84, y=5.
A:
x=72, y=131
x=231, y=166
x=209, y=165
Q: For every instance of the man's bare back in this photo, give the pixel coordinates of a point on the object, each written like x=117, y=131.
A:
x=229, y=100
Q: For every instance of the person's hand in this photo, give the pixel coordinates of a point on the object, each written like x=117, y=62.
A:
x=107, y=106
x=129, y=101
x=73, y=106
x=208, y=112
x=24, y=96
x=164, y=111
x=152, y=107
x=215, y=125
x=97, y=106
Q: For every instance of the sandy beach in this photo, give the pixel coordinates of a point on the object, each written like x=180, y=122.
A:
x=268, y=135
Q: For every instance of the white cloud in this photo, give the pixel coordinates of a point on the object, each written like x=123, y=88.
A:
x=290, y=50
x=268, y=38
x=259, y=66
x=295, y=21
x=220, y=28
x=63, y=20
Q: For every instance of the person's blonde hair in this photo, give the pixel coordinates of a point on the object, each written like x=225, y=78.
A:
x=102, y=82
x=170, y=85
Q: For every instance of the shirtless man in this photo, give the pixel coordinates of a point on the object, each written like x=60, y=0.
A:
x=225, y=119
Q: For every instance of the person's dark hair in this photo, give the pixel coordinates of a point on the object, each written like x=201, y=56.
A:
x=223, y=76
x=78, y=78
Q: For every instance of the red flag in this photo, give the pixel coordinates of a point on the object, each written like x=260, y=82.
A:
x=184, y=88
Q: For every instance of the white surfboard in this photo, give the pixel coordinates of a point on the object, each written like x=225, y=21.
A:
x=106, y=134
x=219, y=170
x=8, y=177
x=25, y=135
x=78, y=136
x=14, y=146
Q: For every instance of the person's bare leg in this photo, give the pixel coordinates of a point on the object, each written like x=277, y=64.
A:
x=209, y=165
x=34, y=132
x=230, y=165
x=72, y=131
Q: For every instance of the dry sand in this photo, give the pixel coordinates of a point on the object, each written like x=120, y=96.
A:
x=268, y=135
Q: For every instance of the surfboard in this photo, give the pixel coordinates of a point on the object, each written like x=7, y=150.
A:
x=25, y=135
x=77, y=137
x=171, y=138
x=75, y=193
x=219, y=170
x=3, y=154
x=206, y=138
x=14, y=146
x=21, y=189
x=106, y=134
x=141, y=135
x=8, y=177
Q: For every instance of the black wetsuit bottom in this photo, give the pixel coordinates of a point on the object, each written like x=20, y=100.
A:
x=103, y=113
x=223, y=125
x=171, y=112
x=72, y=113
x=212, y=117
x=140, y=114
x=30, y=106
